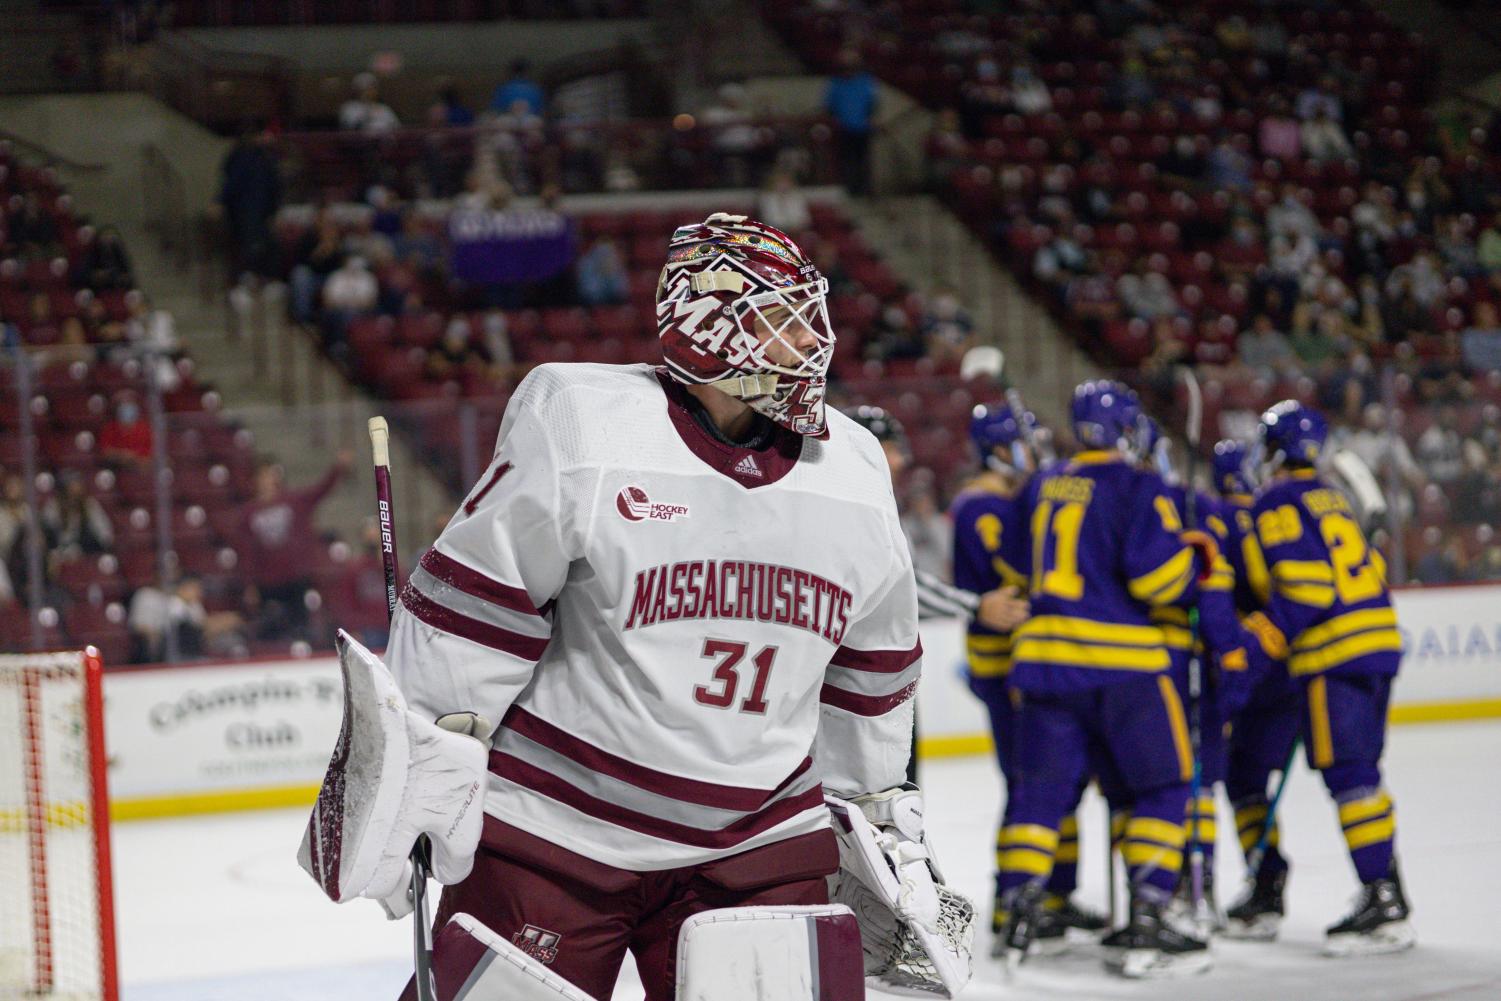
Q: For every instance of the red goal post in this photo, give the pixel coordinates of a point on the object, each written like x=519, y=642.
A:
x=57, y=929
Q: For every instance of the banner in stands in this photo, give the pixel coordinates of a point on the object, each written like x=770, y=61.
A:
x=218, y=737
x=525, y=245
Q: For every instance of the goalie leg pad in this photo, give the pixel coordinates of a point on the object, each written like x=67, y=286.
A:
x=472, y=963
x=809, y=953
x=394, y=777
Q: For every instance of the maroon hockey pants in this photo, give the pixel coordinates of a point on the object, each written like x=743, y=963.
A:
x=579, y=916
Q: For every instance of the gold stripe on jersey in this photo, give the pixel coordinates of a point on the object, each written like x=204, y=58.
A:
x=1166, y=584
x=1343, y=651
x=1345, y=625
x=1105, y=658
x=988, y=656
x=1303, y=572
x=1313, y=595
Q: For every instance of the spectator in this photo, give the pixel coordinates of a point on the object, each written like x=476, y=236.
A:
x=276, y=536
x=318, y=254
x=1445, y=564
x=947, y=328
x=196, y=632
x=1029, y=95
x=1227, y=167
x=1291, y=216
x=602, y=276
x=41, y=325
x=364, y=112
x=350, y=292
x=851, y=101
x=14, y=517
x=456, y=355
x=1266, y=348
x=1169, y=346
x=892, y=335
x=518, y=87
x=946, y=147
x=1279, y=135
x=1489, y=248
x=75, y=522
x=105, y=264
x=450, y=109
x=1148, y=296
x=1481, y=342
x=781, y=205
x=496, y=338
x=1456, y=247
x=928, y=533
x=1323, y=139
x=32, y=229
x=1441, y=448
x=1386, y=454
x=733, y=134
x=72, y=345
x=1322, y=99
x=126, y=440
x=250, y=194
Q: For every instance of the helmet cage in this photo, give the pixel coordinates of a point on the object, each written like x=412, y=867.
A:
x=725, y=324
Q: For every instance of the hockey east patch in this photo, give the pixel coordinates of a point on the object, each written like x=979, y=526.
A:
x=634, y=505
x=538, y=943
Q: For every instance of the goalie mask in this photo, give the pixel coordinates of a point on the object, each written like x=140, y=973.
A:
x=741, y=309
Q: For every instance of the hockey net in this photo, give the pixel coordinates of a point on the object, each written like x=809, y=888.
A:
x=56, y=912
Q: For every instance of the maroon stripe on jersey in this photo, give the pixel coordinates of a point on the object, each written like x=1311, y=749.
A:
x=877, y=661
x=462, y=626
x=865, y=705
x=472, y=582
x=549, y=785
x=712, y=794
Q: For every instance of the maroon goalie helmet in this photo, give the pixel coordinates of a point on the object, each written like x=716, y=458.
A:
x=741, y=309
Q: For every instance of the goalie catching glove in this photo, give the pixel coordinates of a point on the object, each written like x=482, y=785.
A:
x=916, y=933
x=393, y=778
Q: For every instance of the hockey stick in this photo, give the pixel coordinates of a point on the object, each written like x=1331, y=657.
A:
x=1257, y=854
x=422, y=940
x=1192, y=429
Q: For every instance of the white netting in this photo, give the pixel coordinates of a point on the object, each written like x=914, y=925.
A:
x=50, y=915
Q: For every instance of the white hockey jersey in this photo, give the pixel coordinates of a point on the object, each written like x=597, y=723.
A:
x=665, y=625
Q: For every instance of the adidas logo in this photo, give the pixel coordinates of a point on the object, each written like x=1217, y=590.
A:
x=749, y=467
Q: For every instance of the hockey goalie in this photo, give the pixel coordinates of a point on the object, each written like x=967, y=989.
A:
x=667, y=637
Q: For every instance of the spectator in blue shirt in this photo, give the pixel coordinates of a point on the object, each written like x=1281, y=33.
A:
x=851, y=101
x=520, y=87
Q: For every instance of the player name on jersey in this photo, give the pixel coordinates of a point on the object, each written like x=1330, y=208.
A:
x=740, y=589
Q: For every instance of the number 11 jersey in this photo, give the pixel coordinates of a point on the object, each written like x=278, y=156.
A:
x=683, y=641
x=1106, y=549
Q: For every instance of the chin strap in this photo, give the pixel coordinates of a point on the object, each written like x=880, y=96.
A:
x=747, y=387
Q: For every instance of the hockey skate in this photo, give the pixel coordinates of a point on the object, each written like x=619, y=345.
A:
x=1150, y=947
x=1257, y=917
x=1017, y=917
x=1377, y=925
x=1056, y=917
x=1200, y=921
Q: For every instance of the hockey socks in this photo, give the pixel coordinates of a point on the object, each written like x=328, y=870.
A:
x=1370, y=826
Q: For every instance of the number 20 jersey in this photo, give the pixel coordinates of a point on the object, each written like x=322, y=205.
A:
x=1106, y=550
x=1328, y=590
x=683, y=642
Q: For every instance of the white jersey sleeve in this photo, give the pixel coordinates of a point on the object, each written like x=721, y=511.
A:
x=475, y=616
x=870, y=685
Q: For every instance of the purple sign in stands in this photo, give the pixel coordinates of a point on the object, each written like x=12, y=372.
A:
x=524, y=245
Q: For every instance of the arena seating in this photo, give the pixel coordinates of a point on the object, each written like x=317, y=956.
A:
x=74, y=395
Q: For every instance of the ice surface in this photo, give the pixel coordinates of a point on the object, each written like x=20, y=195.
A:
x=215, y=908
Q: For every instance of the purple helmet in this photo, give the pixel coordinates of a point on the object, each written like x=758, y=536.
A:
x=1292, y=433
x=1230, y=468
x=1107, y=414
x=994, y=426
